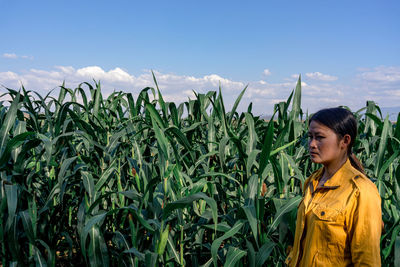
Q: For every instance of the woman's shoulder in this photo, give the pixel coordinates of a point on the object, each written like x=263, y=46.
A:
x=364, y=184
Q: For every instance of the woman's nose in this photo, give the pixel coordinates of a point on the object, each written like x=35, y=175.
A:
x=311, y=143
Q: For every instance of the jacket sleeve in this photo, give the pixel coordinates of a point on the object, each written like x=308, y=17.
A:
x=289, y=258
x=365, y=226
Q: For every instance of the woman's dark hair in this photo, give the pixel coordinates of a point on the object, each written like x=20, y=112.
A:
x=342, y=122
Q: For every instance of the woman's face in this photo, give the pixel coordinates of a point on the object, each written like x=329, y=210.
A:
x=324, y=144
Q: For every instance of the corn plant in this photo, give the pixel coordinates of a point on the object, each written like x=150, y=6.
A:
x=124, y=181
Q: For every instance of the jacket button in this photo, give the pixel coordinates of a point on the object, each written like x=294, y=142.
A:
x=322, y=213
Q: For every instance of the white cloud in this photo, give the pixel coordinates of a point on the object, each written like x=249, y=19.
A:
x=15, y=56
x=97, y=73
x=321, y=77
x=10, y=55
x=11, y=79
x=382, y=74
x=27, y=57
x=380, y=84
x=395, y=93
x=8, y=76
x=174, y=87
x=267, y=72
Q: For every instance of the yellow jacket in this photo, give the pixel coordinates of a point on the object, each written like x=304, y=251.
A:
x=338, y=224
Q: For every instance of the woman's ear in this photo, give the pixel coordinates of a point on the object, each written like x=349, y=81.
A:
x=346, y=140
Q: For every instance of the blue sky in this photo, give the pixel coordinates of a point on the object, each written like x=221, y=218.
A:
x=346, y=51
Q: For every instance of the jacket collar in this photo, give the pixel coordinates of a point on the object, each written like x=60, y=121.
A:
x=337, y=179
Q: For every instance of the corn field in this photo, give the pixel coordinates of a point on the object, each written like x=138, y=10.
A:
x=118, y=181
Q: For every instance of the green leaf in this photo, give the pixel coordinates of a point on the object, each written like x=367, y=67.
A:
x=296, y=106
x=217, y=242
x=182, y=203
x=250, y=211
x=387, y=164
x=88, y=227
x=48, y=146
x=233, y=256
x=105, y=176
x=132, y=109
x=8, y=123
x=382, y=146
x=163, y=241
x=251, y=254
x=266, y=149
x=235, y=105
x=161, y=140
x=150, y=258
x=180, y=136
x=135, y=252
x=39, y=260
x=252, y=187
x=28, y=225
x=14, y=143
x=97, y=100
x=97, y=254
x=51, y=259
x=397, y=131
x=172, y=248
x=397, y=251
x=377, y=122
x=12, y=200
x=63, y=170
x=222, y=150
x=252, y=141
x=386, y=251
x=251, y=160
x=275, y=151
x=289, y=206
x=21, y=128
x=160, y=98
x=211, y=135
x=264, y=252
x=155, y=115
x=88, y=183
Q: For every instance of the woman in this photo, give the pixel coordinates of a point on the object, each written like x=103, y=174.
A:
x=339, y=219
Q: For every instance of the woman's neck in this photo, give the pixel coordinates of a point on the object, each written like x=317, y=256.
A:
x=331, y=168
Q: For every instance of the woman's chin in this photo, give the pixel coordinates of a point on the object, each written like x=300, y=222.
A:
x=315, y=159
